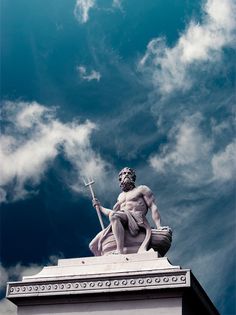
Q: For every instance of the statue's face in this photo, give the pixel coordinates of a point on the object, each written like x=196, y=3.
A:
x=127, y=179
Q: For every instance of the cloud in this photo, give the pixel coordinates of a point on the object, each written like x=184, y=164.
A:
x=190, y=154
x=117, y=4
x=81, y=10
x=3, y=195
x=84, y=75
x=185, y=152
x=32, y=138
x=207, y=261
x=16, y=273
x=170, y=68
x=202, y=267
x=224, y=163
x=3, y=277
x=31, y=115
x=7, y=307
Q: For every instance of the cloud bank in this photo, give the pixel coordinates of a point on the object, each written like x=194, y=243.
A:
x=32, y=138
x=82, y=8
x=201, y=43
x=85, y=75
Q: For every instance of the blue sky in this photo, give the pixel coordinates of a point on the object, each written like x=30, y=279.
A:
x=88, y=87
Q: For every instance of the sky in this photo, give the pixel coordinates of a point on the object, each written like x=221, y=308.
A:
x=91, y=86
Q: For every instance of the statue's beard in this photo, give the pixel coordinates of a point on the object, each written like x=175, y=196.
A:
x=127, y=184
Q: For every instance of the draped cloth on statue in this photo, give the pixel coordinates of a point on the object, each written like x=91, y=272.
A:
x=135, y=222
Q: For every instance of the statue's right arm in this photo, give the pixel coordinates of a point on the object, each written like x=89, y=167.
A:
x=102, y=209
x=106, y=211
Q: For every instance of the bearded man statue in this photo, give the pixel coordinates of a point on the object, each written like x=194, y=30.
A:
x=129, y=230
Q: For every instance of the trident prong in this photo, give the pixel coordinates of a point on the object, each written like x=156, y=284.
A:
x=89, y=184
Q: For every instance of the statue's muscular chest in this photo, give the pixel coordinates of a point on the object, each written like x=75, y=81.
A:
x=133, y=196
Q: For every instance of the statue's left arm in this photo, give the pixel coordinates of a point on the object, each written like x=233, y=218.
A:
x=150, y=201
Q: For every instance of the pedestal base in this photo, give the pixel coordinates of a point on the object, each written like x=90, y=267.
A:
x=123, y=284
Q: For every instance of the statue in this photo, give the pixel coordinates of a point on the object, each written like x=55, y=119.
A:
x=129, y=230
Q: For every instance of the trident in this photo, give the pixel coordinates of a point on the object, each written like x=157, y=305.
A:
x=89, y=184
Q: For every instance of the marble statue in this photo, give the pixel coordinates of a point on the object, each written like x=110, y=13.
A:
x=129, y=230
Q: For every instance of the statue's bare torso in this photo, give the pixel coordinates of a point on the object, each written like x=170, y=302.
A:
x=135, y=200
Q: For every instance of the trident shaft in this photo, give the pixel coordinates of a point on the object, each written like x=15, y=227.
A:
x=89, y=184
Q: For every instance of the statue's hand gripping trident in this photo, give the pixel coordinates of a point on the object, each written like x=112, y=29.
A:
x=89, y=184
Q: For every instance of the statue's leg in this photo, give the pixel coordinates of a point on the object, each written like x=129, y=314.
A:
x=117, y=220
x=146, y=241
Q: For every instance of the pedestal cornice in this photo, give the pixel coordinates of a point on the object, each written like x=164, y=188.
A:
x=138, y=281
x=104, y=274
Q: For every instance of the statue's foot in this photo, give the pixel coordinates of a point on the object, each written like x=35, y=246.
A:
x=116, y=252
x=120, y=252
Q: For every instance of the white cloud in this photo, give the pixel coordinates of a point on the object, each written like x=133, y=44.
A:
x=117, y=4
x=16, y=273
x=83, y=7
x=30, y=115
x=81, y=10
x=33, y=138
x=199, y=44
x=205, y=264
x=190, y=154
x=187, y=151
x=219, y=128
x=7, y=307
x=3, y=277
x=224, y=163
x=84, y=75
x=3, y=195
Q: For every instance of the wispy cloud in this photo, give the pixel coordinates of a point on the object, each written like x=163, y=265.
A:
x=202, y=267
x=190, y=154
x=224, y=163
x=32, y=138
x=170, y=67
x=88, y=76
x=16, y=273
x=13, y=273
x=117, y=4
x=81, y=10
x=7, y=307
x=3, y=195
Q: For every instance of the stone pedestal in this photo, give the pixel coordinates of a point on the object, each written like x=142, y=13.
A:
x=118, y=284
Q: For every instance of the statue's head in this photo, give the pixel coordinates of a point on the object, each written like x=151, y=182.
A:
x=127, y=179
